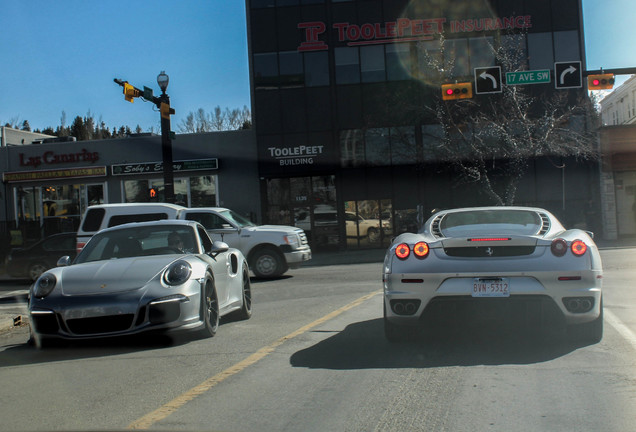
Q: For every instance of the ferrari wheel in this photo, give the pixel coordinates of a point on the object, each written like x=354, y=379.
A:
x=210, y=309
x=36, y=269
x=246, y=309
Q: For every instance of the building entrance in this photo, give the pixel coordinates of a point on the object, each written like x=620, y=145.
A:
x=308, y=203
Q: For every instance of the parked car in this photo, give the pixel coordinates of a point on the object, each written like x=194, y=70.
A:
x=32, y=261
x=357, y=226
x=270, y=249
x=477, y=262
x=133, y=278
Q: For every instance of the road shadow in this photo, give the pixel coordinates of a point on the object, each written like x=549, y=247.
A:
x=363, y=346
x=25, y=353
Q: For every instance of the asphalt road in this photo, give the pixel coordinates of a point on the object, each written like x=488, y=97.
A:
x=313, y=358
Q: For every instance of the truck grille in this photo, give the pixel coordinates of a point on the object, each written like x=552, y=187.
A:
x=303, y=238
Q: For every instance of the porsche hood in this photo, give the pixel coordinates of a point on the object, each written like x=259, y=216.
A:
x=113, y=276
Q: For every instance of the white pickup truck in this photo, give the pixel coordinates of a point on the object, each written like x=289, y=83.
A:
x=270, y=249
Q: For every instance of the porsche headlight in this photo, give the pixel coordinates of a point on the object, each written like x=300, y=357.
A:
x=44, y=285
x=178, y=272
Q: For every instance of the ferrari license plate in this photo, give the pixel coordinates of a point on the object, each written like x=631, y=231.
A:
x=495, y=287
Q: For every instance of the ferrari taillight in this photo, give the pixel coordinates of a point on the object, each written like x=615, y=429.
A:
x=559, y=247
x=578, y=247
x=402, y=251
x=421, y=249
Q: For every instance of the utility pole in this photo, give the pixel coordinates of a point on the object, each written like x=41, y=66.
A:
x=163, y=104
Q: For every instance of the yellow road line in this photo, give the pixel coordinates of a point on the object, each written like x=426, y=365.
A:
x=164, y=411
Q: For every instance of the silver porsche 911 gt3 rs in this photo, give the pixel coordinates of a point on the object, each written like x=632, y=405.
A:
x=161, y=275
x=494, y=263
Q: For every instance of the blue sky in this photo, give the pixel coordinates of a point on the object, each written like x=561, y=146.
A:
x=63, y=55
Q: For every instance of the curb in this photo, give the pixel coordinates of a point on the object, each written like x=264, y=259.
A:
x=7, y=323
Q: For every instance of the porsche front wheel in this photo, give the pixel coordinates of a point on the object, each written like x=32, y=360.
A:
x=210, y=309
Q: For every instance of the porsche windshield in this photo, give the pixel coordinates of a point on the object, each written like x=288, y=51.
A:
x=490, y=222
x=132, y=242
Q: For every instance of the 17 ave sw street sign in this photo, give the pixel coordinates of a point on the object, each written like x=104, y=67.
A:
x=528, y=77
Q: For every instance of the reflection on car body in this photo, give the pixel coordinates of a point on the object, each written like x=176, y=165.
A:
x=129, y=279
x=466, y=262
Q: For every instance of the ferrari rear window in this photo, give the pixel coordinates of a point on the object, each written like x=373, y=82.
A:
x=479, y=222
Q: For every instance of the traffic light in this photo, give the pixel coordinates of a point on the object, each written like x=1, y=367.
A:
x=153, y=193
x=600, y=82
x=130, y=92
x=462, y=90
x=165, y=110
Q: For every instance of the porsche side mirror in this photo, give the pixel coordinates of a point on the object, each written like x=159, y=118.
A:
x=64, y=261
x=218, y=247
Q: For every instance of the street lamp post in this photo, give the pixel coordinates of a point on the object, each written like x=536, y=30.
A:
x=163, y=103
x=166, y=142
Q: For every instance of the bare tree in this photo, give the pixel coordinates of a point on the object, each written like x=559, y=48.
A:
x=218, y=120
x=490, y=141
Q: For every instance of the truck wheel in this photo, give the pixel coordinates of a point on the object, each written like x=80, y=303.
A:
x=267, y=263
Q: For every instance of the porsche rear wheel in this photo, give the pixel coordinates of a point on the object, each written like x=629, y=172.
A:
x=210, y=309
x=246, y=310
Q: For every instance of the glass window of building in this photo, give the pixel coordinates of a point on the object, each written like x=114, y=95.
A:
x=316, y=69
x=398, y=62
x=347, y=65
x=372, y=64
x=265, y=70
x=291, y=69
x=378, y=147
x=566, y=46
x=351, y=148
x=481, y=52
x=203, y=191
x=433, y=140
x=403, y=147
x=456, y=57
x=514, y=48
x=286, y=2
x=257, y=4
x=540, y=51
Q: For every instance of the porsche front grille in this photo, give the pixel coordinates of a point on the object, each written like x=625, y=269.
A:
x=99, y=325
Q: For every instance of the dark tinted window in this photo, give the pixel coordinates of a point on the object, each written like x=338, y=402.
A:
x=123, y=219
x=93, y=219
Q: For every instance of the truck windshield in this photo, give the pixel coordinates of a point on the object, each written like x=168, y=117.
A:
x=237, y=219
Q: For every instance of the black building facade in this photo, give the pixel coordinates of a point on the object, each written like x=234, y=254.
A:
x=339, y=157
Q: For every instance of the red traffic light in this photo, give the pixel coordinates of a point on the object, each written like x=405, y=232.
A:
x=462, y=90
x=600, y=82
x=152, y=193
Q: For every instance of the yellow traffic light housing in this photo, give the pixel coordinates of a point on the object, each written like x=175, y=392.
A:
x=130, y=92
x=600, y=81
x=455, y=91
